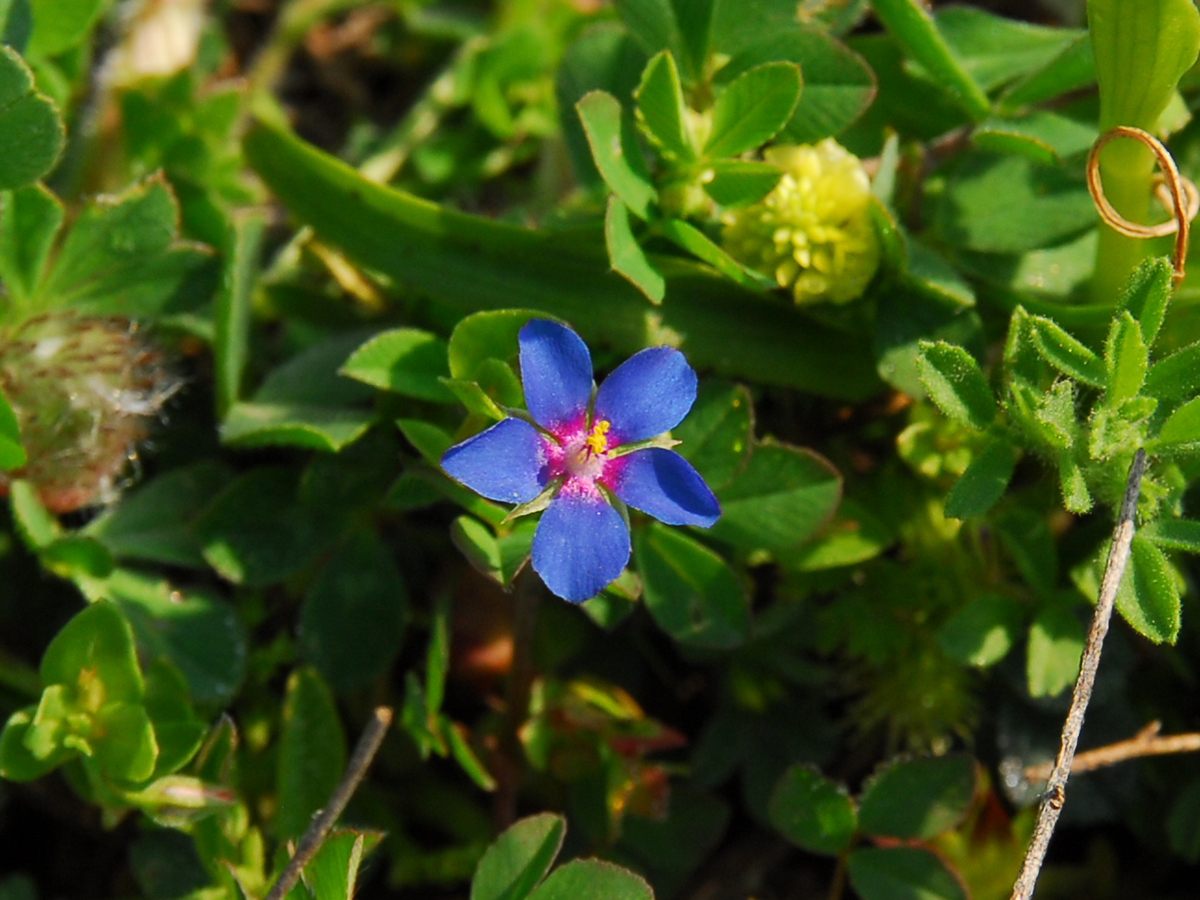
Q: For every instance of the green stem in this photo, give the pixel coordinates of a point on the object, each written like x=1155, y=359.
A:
x=838, y=885
x=1127, y=170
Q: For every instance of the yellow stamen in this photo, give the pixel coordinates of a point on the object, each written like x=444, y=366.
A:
x=596, y=442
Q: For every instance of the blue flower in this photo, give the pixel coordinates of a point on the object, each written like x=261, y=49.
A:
x=579, y=453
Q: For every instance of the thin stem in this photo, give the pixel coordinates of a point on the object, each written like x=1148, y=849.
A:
x=1052, y=800
x=838, y=885
x=1147, y=742
x=318, y=830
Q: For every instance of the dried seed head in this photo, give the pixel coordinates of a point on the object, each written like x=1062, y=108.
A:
x=83, y=390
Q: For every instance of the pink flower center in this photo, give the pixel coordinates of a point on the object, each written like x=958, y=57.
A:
x=585, y=453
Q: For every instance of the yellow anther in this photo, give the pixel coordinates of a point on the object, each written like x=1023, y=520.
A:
x=596, y=442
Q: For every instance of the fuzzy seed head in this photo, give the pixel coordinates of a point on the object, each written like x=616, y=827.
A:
x=813, y=233
x=83, y=390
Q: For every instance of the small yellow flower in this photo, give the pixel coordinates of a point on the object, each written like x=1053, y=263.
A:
x=813, y=232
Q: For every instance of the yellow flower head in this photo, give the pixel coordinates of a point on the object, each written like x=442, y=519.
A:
x=813, y=232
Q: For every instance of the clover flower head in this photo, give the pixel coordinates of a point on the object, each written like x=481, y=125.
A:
x=584, y=450
x=813, y=232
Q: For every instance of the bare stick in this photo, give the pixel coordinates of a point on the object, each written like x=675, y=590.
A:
x=324, y=821
x=1146, y=742
x=1052, y=800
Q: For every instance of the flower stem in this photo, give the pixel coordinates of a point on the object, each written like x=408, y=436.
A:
x=1128, y=170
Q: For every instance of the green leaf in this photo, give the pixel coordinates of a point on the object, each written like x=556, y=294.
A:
x=661, y=109
x=1065, y=353
x=29, y=220
x=854, y=535
x=915, y=31
x=995, y=50
x=486, y=336
x=982, y=632
x=1073, y=68
x=1010, y=204
x=466, y=264
x=12, y=454
x=312, y=752
x=695, y=20
x=1126, y=358
x=1042, y=136
x=1174, y=534
x=1177, y=377
x=913, y=310
x=838, y=84
x=1148, y=597
x=474, y=398
x=333, y=872
x=695, y=241
x=717, y=435
x=738, y=182
x=1147, y=294
x=38, y=529
x=31, y=132
x=652, y=24
x=258, y=532
x=199, y=633
x=689, y=590
x=813, y=812
x=626, y=255
x=59, y=25
x=956, y=384
x=519, y=859
x=403, y=360
x=984, y=481
x=753, y=108
x=156, y=522
x=243, y=247
x=353, y=615
x=1054, y=649
x=902, y=873
x=781, y=499
x=1027, y=539
x=96, y=644
x=123, y=742
x=1183, y=824
x=178, y=731
x=1182, y=426
x=304, y=403
x=16, y=21
x=615, y=151
x=121, y=257
x=918, y=799
x=17, y=761
x=77, y=556
x=1076, y=496
x=592, y=879
x=1141, y=50
x=459, y=745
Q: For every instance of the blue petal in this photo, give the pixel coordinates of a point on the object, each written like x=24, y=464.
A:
x=556, y=372
x=646, y=395
x=581, y=544
x=504, y=463
x=664, y=484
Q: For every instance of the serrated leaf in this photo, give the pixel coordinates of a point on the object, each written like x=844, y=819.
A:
x=616, y=152
x=813, y=812
x=31, y=132
x=1148, y=597
x=661, y=108
x=1126, y=358
x=902, y=873
x=626, y=255
x=956, y=384
x=1065, y=353
x=753, y=108
x=984, y=481
x=918, y=799
x=689, y=590
x=406, y=361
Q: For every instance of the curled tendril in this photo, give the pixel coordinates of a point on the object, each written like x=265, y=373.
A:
x=1171, y=191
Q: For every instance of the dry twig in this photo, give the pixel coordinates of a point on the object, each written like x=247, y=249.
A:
x=1146, y=742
